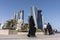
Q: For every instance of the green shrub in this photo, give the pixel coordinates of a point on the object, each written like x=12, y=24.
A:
x=38, y=30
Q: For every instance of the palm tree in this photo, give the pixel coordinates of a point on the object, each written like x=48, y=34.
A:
x=25, y=27
x=10, y=24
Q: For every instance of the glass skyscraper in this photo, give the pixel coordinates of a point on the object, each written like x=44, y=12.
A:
x=37, y=17
x=19, y=17
x=21, y=14
x=34, y=14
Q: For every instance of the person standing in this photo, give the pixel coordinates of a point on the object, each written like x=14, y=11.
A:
x=45, y=29
x=32, y=28
x=49, y=28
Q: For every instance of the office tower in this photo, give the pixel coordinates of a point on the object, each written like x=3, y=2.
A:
x=15, y=19
x=20, y=20
x=43, y=22
x=37, y=17
x=15, y=16
x=21, y=15
x=34, y=12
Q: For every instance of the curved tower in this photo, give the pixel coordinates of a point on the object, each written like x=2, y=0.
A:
x=38, y=19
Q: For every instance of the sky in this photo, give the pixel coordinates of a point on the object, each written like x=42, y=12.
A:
x=50, y=10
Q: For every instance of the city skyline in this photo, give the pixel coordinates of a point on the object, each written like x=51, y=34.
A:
x=50, y=10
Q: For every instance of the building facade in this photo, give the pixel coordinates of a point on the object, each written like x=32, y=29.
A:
x=33, y=13
x=38, y=19
x=19, y=17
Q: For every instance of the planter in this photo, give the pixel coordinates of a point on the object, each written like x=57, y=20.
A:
x=12, y=32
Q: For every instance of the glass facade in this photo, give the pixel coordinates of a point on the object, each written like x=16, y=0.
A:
x=21, y=14
x=37, y=17
x=34, y=14
x=19, y=17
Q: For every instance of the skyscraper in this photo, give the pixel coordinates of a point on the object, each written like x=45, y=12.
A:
x=20, y=20
x=34, y=12
x=21, y=14
x=37, y=17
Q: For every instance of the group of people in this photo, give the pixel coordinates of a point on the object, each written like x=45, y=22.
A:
x=48, y=29
x=32, y=28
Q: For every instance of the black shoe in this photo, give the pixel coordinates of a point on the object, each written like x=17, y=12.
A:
x=28, y=35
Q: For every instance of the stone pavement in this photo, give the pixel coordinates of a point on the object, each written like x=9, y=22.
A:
x=24, y=37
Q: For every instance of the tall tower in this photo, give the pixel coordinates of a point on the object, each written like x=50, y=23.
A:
x=21, y=15
x=20, y=20
x=15, y=16
x=37, y=17
x=34, y=13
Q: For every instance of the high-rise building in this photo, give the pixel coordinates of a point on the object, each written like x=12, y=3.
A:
x=15, y=17
x=20, y=20
x=34, y=14
x=21, y=15
x=38, y=19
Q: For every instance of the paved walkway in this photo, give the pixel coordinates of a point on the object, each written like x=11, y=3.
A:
x=24, y=37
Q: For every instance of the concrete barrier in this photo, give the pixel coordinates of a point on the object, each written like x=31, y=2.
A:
x=4, y=32
x=25, y=33
x=8, y=32
x=12, y=32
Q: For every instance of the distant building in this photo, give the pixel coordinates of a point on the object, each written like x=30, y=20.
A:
x=33, y=13
x=21, y=14
x=38, y=18
x=18, y=20
x=4, y=26
x=19, y=17
x=16, y=16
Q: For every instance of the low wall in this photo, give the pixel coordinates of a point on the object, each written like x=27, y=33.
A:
x=25, y=33
x=8, y=32
x=12, y=32
x=4, y=32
